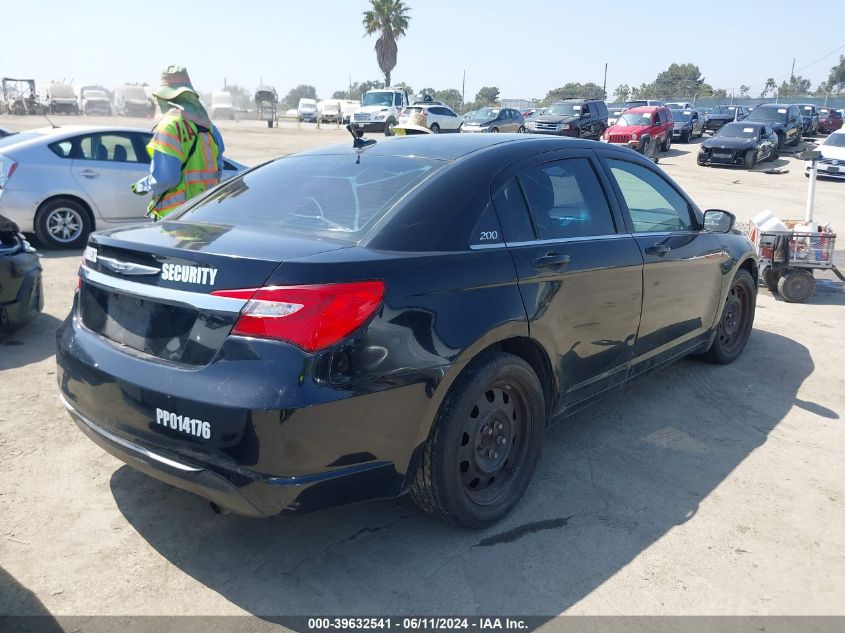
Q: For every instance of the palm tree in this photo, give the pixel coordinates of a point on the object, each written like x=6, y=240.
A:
x=389, y=18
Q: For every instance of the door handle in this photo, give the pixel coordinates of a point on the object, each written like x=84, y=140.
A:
x=658, y=249
x=89, y=173
x=551, y=260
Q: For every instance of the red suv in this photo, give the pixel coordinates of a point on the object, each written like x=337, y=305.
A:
x=639, y=127
x=829, y=120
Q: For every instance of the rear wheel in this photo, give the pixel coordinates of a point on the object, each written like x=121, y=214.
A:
x=485, y=444
x=62, y=223
x=495, y=130
x=737, y=319
x=750, y=159
x=796, y=286
x=435, y=129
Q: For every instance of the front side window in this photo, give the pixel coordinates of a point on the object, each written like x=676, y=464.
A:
x=566, y=200
x=654, y=205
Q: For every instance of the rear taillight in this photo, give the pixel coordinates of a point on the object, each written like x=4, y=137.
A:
x=311, y=317
x=7, y=168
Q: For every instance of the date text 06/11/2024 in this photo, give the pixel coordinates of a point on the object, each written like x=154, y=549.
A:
x=417, y=624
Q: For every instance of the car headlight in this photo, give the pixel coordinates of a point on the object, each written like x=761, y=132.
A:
x=564, y=126
x=634, y=136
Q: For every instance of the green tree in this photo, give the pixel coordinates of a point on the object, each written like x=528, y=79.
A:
x=769, y=88
x=488, y=95
x=822, y=89
x=340, y=94
x=836, y=80
x=390, y=19
x=678, y=81
x=796, y=86
x=451, y=97
x=302, y=91
x=744, y=90
x=720, y=93
x=577, y=90
x=622, y=92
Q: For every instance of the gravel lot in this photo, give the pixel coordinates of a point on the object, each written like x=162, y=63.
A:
x=698, y=490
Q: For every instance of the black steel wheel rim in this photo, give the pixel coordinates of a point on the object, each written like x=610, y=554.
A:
x=494, y=442
x=734, y=325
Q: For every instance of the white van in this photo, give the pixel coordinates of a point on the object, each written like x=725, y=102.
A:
x=307, y=109
x=222, y=106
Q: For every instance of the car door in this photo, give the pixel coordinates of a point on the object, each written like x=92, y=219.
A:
x=697, y=123
x=579, y=271
x=682, y=274
x=449, y=118
x=105, y=165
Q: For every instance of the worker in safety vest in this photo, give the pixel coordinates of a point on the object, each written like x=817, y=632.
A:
x=186, y=149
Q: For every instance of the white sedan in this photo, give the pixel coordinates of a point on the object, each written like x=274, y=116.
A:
x=62, y=183
x=832, y=162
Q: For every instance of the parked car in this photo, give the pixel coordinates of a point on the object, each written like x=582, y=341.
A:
x=687, y=125
x=830, y=120
x=21, y=291
x=832, y=161
x=494, y=120
x=679, y=105
x=638, y=127
x=721, y=114
x=438, y=117
x=613, y=112
x=131, y=100
x=353, y=324
x=330, y=111
x=740, y=144
x=222, y=106
x=62, y=183
x=584, y=118
x=785, y=120
x=809, y=119
x=307, y=110
x=638, y=103
x=59, y=98
x=94, y=100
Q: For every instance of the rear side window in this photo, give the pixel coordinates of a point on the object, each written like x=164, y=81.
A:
x=322, y=195
x=566, y=200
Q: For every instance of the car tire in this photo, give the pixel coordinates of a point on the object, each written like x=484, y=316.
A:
x=388, y=127
x=750, y=159
x=686, y=136
x=795, y=141
x=667, y=143
x=435, y=129
x=62, y=223
x=771, y=278
x=521, y=129
x=493, y=417
x=797, y=285
x=735, y=321
x=495, y=130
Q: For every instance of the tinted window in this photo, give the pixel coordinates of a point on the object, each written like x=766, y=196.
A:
x=566, y=200
x=513, y=213
x=331, y=196
x=652, y=202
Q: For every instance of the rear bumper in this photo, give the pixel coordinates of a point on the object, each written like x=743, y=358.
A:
x=281, y=441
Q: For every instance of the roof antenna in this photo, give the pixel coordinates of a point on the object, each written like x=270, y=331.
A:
x=53, y=125
x=359, y=141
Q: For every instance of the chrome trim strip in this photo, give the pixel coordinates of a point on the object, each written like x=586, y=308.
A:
x=566, y=240
x=171, y=295
x=125, y=443
x=127, y=268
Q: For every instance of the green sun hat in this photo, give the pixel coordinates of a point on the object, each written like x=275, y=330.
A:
x=174, y=81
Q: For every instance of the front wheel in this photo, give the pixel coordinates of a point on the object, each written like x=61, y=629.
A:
x=495, y=130
x=521, y=130
x=734, y=327
x=485, y=443
x=750, y=159
x=667, y=143
x=388, y=127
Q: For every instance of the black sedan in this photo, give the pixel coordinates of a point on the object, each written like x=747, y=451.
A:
x=740, y=144
x=722, y=114
x=21, y=297
x=357, y=323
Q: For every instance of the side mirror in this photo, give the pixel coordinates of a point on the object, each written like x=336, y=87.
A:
x=718, y=221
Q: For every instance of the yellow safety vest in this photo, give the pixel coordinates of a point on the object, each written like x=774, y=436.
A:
x=175, y=136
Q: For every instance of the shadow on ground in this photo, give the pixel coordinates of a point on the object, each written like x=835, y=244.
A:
x=32, y=343
x=612, y=481
x=15, y=601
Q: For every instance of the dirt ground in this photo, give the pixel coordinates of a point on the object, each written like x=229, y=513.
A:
x=697, y=490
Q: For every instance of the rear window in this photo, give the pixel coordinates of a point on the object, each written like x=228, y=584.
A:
x=320, y=195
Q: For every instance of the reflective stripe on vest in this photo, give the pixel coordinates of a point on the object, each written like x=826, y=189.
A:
x=175, y=136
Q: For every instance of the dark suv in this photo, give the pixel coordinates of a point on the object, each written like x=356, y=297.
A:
x=584, y=118
x=785, y=121
x=809, y=119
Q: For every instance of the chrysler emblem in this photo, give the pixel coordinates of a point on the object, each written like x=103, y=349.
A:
x=126, y=268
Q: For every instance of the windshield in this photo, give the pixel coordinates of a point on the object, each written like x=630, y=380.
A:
x=764, y=113
x=95, y=94
x=834, y=140
x=721, y=110
x=680, y=115
x=635, y=104
x=486, y=114
x=378, y=99
x=634, y=118
x=19, y=137
x=133, y=92
x=62, y=91
x=565, y=109
x=307, y=103
x=318, y=195
x=738, y=130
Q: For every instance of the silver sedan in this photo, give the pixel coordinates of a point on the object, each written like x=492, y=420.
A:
x=62, y=183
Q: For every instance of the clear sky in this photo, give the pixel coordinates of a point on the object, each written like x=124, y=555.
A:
x=524, y=48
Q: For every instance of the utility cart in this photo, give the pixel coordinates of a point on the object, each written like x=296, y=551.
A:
x=266, y=101
x=789, y=257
